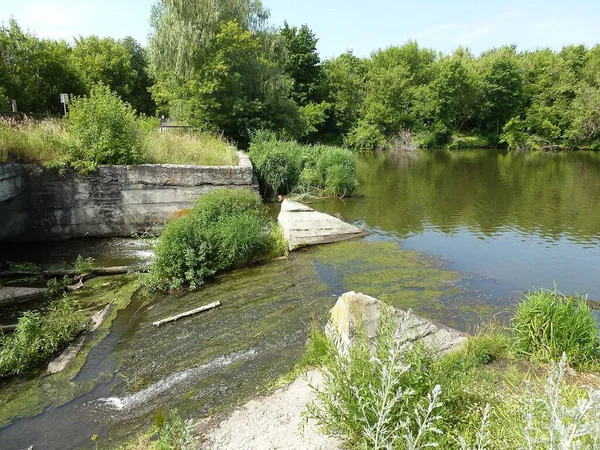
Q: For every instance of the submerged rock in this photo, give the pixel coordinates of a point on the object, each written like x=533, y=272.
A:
x=353, y=308
x=304, y=226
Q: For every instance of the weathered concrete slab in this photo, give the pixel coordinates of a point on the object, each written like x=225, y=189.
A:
x=39, y=204
x=304, y=226
x=13, y=295
x=354, y=308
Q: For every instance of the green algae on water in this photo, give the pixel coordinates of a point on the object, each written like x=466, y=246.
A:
x=29, y=397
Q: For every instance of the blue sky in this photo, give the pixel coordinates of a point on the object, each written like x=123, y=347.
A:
x=349, y=24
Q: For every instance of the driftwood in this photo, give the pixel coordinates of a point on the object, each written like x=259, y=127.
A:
x=158, y=323
x=7, y=328
x=99, y=271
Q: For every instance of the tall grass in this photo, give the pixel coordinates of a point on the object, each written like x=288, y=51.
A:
x=38, y=337
x=548, y=324
x=32, y=141
x=48, y=141
x=203, y=149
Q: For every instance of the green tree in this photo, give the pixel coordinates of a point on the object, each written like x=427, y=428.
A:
x=35, y=71
x=233, y=77
x=302, y=64
x=119, y=65
x=345, y=86
x=502, y=92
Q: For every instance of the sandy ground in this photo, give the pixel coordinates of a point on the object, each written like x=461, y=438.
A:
x=271, y=422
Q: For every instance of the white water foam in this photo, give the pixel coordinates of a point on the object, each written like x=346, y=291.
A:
x=151, y=392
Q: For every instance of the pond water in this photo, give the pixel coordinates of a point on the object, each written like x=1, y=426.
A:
x=456, y=236
x=522, y=220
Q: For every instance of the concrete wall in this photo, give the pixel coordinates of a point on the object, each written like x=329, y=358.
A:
x=10, y=181
x=113, y=201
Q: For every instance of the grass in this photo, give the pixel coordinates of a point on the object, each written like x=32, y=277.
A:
x=202, y=149
x=284, y=167
x=46, y=142
x=32, y=141
x=548, y=324
x=168, y=433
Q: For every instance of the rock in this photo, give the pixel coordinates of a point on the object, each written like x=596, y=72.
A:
x=353, y=308
x=304, y=226
x=11, y=295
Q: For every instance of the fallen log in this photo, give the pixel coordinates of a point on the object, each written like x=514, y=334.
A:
x=99, y=271
x=159, y=323
x=7, y=328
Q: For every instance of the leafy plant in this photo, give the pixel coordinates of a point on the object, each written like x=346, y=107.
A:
x=38, y=337
x=84, y=265
x=286, y=166
x=102, y=130
x=225, y=229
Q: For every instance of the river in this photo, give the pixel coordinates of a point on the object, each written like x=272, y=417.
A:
x=456, y=236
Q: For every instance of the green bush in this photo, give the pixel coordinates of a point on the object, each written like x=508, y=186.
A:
x=286, y=166
x=102, y=130
x=547, y=324
x=38, y=337
x=226, y=229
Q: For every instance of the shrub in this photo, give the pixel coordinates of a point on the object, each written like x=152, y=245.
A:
x=102, y=130
x=225, y=229
x=548, y=323
x=286, y=166
x=391, y=395
x=277, y=163
x=38, y=337
x=365, y=136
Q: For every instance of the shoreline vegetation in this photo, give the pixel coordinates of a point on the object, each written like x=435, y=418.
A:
x=512, y=386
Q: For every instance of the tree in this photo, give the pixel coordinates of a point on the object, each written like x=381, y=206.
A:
x=502, y=92
x=233, y=77
x=35, y=71
x=119, y=65
x=345, y=86
x=303, y=64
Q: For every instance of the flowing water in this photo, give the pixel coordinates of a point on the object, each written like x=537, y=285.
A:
x=456, y=236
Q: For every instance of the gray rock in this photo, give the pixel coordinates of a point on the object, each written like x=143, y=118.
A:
x=353, y=308
x=304, y=226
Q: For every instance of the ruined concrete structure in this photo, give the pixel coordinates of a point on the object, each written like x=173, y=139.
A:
x=41, y=204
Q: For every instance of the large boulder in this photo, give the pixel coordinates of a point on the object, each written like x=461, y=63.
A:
x=304, y=226
x=353, y=308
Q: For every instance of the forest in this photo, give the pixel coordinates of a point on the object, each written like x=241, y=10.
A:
x=222, y=66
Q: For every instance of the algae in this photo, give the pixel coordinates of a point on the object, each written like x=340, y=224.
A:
x=30, y=396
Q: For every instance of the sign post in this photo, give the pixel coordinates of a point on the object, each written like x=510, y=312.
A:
x=64, y=99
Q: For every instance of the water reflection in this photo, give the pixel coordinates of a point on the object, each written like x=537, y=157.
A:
x=526, y=219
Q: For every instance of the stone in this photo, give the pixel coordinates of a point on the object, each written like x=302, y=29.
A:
x=303, y=226
x=353, y=308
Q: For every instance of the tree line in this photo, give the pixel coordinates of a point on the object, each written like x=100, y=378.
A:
x=223, y=66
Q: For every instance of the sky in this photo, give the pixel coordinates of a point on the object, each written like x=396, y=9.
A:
x=341, y=25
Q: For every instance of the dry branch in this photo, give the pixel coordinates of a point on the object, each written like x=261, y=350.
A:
x=158, y=323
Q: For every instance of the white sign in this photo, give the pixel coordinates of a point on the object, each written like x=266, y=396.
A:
x=64, y=98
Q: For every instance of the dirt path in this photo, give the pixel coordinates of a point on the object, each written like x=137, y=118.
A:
x=271, y=422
